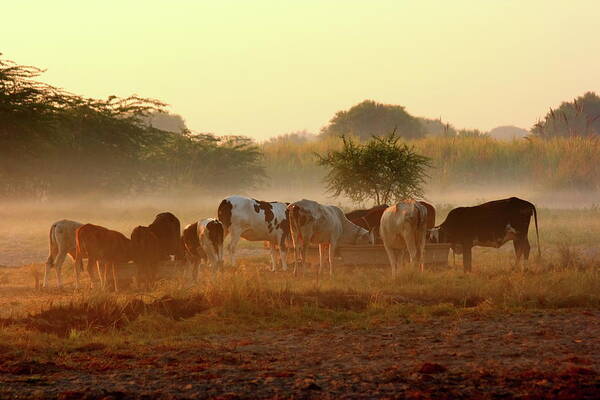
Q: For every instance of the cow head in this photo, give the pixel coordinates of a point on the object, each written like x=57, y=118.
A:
x=510, y=233
x=433, y=235
x=437, y=235
x=364, y=236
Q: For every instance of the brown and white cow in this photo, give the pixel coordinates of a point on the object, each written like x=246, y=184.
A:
x=489, y=224
x=327, y=226
x=403, y=230
x=210, y=240
x=61, y=242
x=104, y=248
x=255, y=220
x=146, y=253
x=167, y=229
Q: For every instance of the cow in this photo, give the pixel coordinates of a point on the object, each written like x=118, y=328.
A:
x=327, y=226
x=255, y=220
x=403, y=230
x=167, y=229
x=146, y=253
x=61, y=242
x=368, y=219
x=489, y=224
x=210, y=239
x=194, y=254
x=103, y=247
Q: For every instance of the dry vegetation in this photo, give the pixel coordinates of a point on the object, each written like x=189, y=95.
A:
x=461, y=163
x=228, y=326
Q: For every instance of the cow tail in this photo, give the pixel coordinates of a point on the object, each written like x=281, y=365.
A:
x=537, y=233
x=51, y=244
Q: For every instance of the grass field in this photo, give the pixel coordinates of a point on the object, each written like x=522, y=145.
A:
x=225, y=329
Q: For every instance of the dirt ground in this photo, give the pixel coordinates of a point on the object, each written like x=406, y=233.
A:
x=546, y=354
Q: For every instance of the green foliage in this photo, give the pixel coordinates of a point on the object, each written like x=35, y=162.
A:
x=581, y=117
x=370, y=118
x=52, y=141
x=381, y=170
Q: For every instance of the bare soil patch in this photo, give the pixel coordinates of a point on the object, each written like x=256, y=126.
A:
x=549, y=354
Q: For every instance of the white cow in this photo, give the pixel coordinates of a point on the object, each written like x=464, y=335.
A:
x=255, y=220
x=210, y=240
x=61, y=243
x=327, y=226
x=403, y=229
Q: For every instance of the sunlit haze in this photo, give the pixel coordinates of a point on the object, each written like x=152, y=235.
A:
x=264, y=68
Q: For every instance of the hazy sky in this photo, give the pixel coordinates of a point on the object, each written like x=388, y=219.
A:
x=263, y=68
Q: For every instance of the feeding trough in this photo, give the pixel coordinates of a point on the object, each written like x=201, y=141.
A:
x=436, y=255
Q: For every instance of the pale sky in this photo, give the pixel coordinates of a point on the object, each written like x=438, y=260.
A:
x=263, y=68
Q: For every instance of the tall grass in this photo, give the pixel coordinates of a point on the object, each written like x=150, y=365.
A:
x=555, y=164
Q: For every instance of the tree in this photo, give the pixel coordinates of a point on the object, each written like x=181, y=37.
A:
x=54, y=142
x=381, y=170
x=370, y=118
x=581, y=117
x=166, y=122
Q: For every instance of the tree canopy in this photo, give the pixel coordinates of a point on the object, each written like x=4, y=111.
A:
x=381, y=170
x=54, y=142
x=371, y=118
x=581, y=117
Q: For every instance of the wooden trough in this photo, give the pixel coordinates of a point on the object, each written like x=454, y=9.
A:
x=436, y=255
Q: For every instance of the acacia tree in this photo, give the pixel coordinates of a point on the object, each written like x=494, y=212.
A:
x=382, y=170
x=56, y=142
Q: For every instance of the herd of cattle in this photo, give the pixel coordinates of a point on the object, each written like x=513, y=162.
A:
x=403, y=229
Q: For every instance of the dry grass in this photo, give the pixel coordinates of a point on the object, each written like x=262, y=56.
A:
x=250, y=297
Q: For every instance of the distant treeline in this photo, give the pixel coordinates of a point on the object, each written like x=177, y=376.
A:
x=54, y=142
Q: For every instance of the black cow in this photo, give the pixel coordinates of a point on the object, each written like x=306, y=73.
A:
x=489, y=224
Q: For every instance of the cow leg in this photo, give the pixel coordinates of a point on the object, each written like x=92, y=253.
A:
x=283, y=256
x=194, y=268
x=303, y=258
x=49, y=264
x=78, y=266
x=114, y=274
x=391, y=253
x=467, y=258
x=273, y=257
x=235, y=238
x=90, y=270
x=522, y=249
x=411, y=248
x=322, y=250
x=421, y=248
x=59, y=261
x=332, y=249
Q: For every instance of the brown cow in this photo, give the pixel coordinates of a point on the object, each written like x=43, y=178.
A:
x=368, y=219
x=167, y=229
x=103, y=247
x=146, y=254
